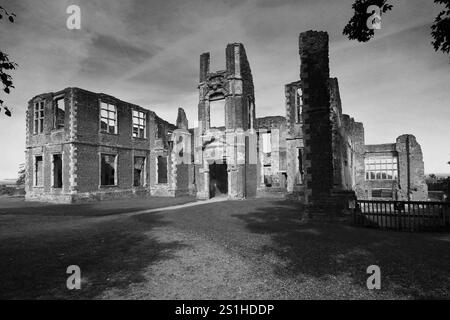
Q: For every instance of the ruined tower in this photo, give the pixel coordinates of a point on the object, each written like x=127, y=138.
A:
x=314, y=75
x=225, y=156
x=182, y=121
x=234, y=85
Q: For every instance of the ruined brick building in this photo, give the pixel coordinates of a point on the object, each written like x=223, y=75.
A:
x=83, y=145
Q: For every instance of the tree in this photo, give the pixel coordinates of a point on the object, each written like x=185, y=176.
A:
x=441, y=28
x=21, y=179
x=431, y=179
x=6, y=65
x=356, y=28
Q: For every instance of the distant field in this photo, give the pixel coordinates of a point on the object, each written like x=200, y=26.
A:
x=8, y=187
x=439, y=175
x=7, y=181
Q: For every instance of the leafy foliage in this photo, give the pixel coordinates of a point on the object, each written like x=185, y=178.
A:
x=6, y=65
x=356, y=28
x=441, y=28
x=21, y=179
x=10, y=16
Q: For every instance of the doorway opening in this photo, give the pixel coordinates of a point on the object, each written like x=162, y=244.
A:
x=57, y=171
x=218, y=180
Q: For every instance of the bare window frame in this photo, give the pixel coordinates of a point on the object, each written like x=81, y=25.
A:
x=56, y=110
x=38, y=117
x=298, y=101
x=38, y=181
x=115, y=170
x=380, y=168
x=143, y=175
x=266, y=142
x=157, y=169
x=139, y=121
x=54, y=155
x=109, y=109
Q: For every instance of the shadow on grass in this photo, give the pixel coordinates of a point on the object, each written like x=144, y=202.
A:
x=91, y=209
x=111, y=255
x=412, y=264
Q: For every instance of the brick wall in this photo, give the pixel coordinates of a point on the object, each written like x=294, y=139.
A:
x=52, y=141
x=410, y=169
x=331, y=143
x=314, y=74
x=358, y=167
x=412, y=184
x=235, y=85
x=81, y=143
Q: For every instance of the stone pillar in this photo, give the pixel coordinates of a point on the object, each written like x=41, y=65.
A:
x=236, y=161
x=411, y=169
x=241, y=163
x=203, y=104
x=181, y=158
x=314, y=74
x=359, y=170
x=339, y=142
x=203, y=193
x=230, y=112
x=204, y=66
x=240, y=88
x=251, y=161
x=202, y=116
x=182, y=121
x=233, y=59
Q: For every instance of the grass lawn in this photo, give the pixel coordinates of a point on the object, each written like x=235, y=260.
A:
x=252, y=249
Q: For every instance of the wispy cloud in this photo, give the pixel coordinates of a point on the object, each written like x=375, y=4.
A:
x=109, y=56
x=147, y=52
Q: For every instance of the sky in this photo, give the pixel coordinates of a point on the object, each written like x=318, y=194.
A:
x=147, y=52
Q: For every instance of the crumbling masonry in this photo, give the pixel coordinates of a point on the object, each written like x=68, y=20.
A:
x=91, y=146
